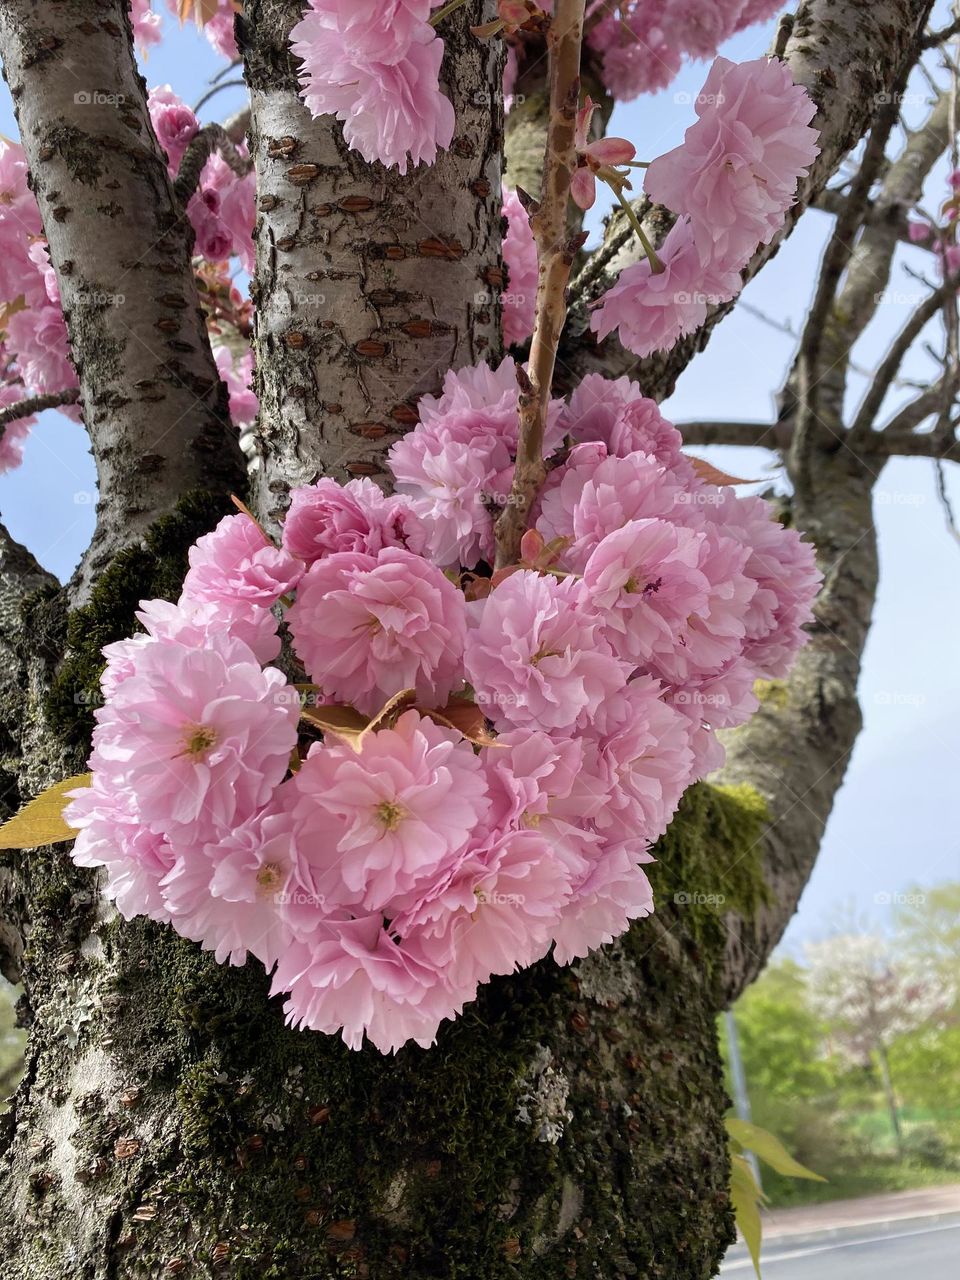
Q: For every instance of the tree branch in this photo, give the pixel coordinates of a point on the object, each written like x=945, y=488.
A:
x=153, y=403
x=211, y=138
x=846, y=55
x=924, y=444
x=761, y=435
x=946, y=33
x=37, y=404
x=882, y=382
x=555, y=255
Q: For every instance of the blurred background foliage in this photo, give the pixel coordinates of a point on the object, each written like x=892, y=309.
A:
x=817, y=1082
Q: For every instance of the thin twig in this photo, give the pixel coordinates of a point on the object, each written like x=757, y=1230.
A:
x=556, y=251
x=212, y=92
x=904, y=340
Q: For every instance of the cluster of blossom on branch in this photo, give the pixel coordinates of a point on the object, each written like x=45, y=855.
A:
x=34, y=352
x=474, y=766
x=642, y=43
x=216, y=26
x=34, y=347
x=731, y=183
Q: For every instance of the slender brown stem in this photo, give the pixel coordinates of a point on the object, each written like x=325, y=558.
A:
x=556, y=250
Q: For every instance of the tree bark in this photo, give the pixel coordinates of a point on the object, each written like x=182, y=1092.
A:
x=569, y=1125
x=153, y=403
x=368, y=285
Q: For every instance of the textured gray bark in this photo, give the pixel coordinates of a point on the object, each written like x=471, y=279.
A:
x=570, y=1124
x=368, y=285
x=152, y=399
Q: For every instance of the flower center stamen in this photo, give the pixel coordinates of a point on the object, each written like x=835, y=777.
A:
x=197, y=740
x=390, y=814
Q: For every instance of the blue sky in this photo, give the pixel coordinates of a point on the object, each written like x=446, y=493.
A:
x=897, y=818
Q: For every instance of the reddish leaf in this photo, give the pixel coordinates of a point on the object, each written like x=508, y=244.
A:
x=710, y=474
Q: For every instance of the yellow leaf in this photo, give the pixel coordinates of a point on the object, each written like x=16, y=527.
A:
x=40, y=821
x=343, y=721
x=200, y=10
x=9, y=309
x=710, y=474
x=388, y=708
x=746, y=1196
x=769, y=1149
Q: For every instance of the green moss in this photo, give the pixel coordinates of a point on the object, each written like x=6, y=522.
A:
x=708, y=863
x=153, y=568
x=772, y=693
x=306, y=1159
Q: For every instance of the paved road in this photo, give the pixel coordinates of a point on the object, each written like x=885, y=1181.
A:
x=925, y=1248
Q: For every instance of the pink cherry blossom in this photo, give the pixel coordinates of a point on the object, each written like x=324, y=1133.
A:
x=375, y=828
x=497, y=912
x=201, y=737
x=653, y=311
x=14, y=435
x=239, y=562
x=520, y=256
x=612, y=892
x=736, y=173
x=638, y=56
x=145, y=23
x=714, y=633
x=193, y=621
x=595, y=158
x=112, y=835
x=592, y=494
x=174, y=123
x=615, y=412
x=536, y=656
x=643, y=744
x=367, y=627
x=376, y=67
x=225, y=895
x=237, y=373
x=452, y=469
x=784, y=567
x=327, y=517
x=353, y=977
x=644, y=580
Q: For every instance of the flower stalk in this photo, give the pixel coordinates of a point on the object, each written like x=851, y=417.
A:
x=556, y=251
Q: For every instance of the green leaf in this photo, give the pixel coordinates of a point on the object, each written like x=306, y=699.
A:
x=40, y=821
x=746, y=1197
x=768, y=1148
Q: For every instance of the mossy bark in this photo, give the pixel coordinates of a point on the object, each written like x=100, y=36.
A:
x=169, y=1124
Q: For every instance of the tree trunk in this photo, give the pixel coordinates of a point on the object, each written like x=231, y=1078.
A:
x=569, y=1125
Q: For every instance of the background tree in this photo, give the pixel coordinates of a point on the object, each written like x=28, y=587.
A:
x=571, y=1123
x=867, y=1000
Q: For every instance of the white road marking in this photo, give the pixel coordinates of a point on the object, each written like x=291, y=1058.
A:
x=812, y=1250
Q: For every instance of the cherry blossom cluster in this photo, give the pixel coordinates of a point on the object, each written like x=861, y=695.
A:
x=148, y=30
x=730, y=183
x=375, y=65
x=221, y=210
x=642, y=43
x=34, y=353
x=471, y=767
